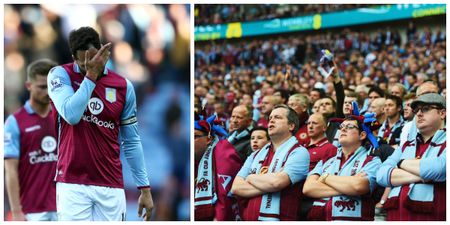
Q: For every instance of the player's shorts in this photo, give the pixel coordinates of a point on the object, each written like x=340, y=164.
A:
x=89, y=202
x=42, y=216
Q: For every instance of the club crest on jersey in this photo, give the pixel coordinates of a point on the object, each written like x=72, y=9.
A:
x=110, y=94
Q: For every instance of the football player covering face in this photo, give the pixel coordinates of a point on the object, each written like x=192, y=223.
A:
x=94, y=134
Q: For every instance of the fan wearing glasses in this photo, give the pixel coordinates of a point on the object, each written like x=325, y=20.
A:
x=409, y=129
x=342, y=186
x=416, y=171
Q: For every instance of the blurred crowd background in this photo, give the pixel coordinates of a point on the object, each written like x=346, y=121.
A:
x=151, y=47
x=243, y=70
x=216, y=14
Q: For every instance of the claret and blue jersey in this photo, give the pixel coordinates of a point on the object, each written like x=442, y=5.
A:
x=91, y=115
x=31, y=139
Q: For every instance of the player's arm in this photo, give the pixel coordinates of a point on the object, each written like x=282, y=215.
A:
x=12, y=154
x=12, y=185
x=132, y=148
x=69, y=104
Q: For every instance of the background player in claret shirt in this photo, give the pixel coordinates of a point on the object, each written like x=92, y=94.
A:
x=30, y=151
x=94, y=106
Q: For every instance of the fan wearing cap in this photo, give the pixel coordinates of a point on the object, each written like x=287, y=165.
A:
x=342, y=186
x=416, y=171
x=410, y=129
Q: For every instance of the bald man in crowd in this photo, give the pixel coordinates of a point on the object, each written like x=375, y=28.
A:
x=267, y=104
x=319, y=148
x=398, y=89
x=229, y=156
x=377, y=106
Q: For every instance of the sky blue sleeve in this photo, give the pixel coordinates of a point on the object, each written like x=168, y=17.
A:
x=131, y=141
x=130, y=110
x=371, y=169
x=297, y=165
x=385, y=170
x=434, y=168
x=317, y=169
x=245, y=170
x=69, y=104
x=12, y=138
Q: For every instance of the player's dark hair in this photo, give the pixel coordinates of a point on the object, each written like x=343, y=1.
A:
x=82, y=39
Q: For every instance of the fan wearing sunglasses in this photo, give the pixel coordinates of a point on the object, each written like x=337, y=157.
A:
x=416, y=171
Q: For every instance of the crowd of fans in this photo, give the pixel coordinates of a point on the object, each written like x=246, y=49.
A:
x=150, y=47
x=217, y=14
x=227, y=71
x=382, y=71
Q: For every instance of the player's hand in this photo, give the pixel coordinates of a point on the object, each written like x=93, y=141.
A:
x=95, y=61
x=379, y=205
x=18, y=216
x=145, y=201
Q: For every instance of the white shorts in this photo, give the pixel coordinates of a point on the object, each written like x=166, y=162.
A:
x=43, y=216
x=89, y=202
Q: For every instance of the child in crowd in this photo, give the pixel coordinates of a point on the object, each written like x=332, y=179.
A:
x=259, y=138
